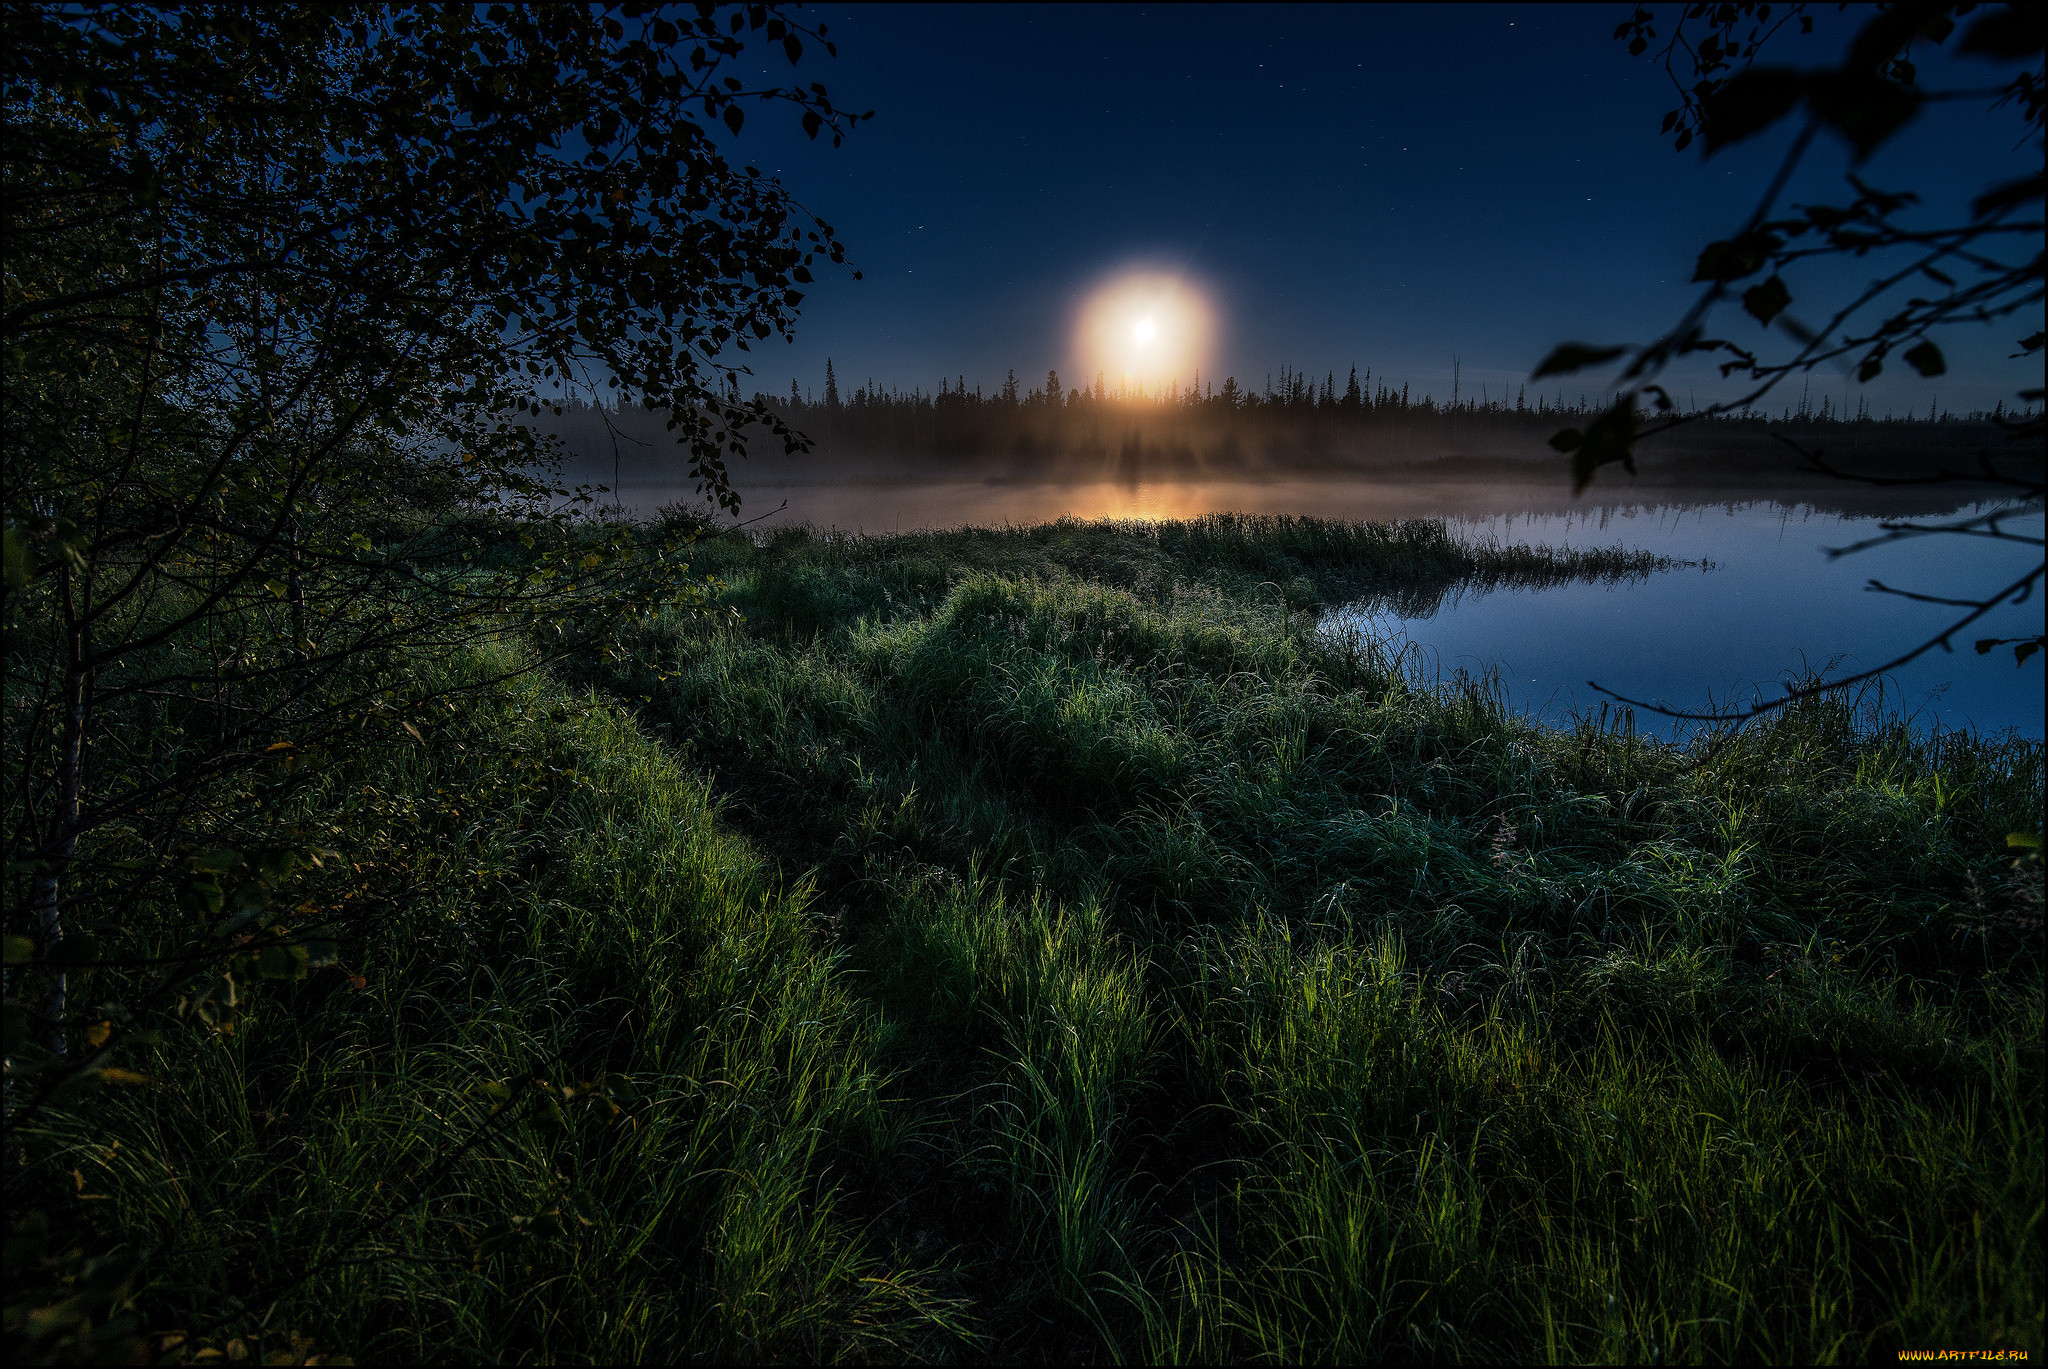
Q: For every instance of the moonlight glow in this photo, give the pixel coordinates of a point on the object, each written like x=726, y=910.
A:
x=1144, y=332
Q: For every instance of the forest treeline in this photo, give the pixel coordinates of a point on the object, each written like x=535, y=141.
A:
x=1053, y=431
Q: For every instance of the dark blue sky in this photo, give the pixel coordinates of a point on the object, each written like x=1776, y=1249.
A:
x=1382, y=185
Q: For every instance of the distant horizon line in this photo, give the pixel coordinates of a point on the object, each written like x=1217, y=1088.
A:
x=1288, y=375
x=1299, y=389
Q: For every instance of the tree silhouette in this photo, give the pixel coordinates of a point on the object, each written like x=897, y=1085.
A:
x=1987, y=263
x=285, y=287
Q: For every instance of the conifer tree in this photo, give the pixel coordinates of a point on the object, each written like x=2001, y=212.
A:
x=831, y=387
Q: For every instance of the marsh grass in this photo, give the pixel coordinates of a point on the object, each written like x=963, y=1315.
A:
x=1043, y=944
x=1465, y=1037
x=344, y=1147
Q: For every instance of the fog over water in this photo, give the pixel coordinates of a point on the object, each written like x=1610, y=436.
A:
x=1766, y=602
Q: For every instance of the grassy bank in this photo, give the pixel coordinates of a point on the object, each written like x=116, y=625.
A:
x=1041, y=944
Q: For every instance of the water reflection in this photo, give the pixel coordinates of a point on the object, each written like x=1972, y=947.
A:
x=882, y=503
x=1770, y=604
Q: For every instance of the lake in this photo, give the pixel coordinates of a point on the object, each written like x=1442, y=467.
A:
x=1766, y=601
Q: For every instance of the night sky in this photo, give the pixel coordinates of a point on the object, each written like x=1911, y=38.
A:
x=1385, y=186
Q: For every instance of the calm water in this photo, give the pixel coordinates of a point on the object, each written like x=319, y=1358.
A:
x=1771, y=602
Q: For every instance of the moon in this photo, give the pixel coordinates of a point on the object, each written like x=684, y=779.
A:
x=1143, y=332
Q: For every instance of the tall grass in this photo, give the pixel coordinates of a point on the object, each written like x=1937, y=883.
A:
x=1467, y=1037
x=681, y=1058
x=1044, y=944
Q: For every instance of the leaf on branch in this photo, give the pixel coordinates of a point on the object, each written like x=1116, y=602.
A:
x=282, y=962
x=1748, y=104
x=1734, y=258
x=70, y=543
x=2011, y=33
x=1894, y=27
x=1796, y=330
x=1864, y=108
x=1611, y=438
x=2008, y=195
x=1574, y=356
x=201, y=894
x=19, y=567
x=1927, y=359
x=1766, y=301
x=20, y=950
x=2032, y=344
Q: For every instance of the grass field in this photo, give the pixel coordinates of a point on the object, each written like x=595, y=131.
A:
x=1042, y=944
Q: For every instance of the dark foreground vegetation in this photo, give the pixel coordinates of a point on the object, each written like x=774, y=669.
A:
x=1043, y=944
x=442, y=927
